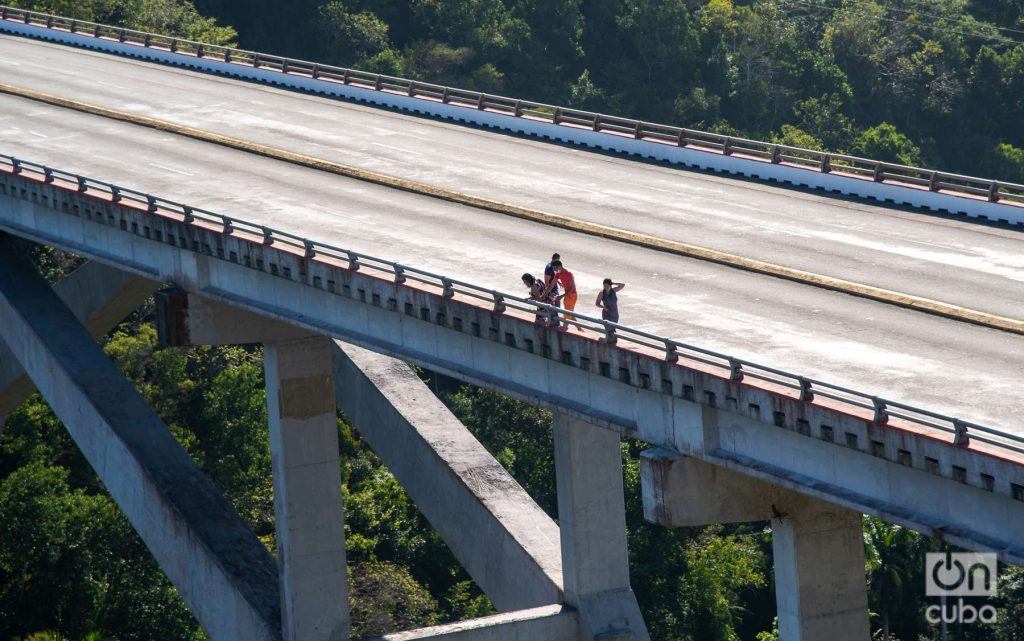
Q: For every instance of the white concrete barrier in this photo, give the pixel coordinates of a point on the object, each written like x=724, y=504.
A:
x=838, y=183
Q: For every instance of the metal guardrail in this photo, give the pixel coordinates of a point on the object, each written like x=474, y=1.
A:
x=824, y=162
x=736, y=369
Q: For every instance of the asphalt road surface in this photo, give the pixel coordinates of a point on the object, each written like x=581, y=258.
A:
x=945, y=365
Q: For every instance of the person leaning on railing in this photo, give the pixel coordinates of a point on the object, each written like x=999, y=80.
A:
x=541, y=294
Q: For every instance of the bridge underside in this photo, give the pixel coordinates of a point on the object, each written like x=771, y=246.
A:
x=569, y=583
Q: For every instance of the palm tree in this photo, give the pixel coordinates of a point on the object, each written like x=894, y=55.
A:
x=892, y=554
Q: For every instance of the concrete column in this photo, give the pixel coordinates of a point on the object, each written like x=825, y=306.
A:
x=818, y=547
x=820, y=585
x=307, y=489
x=592, y=520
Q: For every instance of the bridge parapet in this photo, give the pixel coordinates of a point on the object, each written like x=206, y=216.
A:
x=867, y=178
x=869, y=454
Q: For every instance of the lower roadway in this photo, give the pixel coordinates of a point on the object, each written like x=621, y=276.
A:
x=947, y=366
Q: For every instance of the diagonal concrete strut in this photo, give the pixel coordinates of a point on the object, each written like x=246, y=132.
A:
x=221, y=569
x=503, y=539
x=498, y=533
x=97, y=295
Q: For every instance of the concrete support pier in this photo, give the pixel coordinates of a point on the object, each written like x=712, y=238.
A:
x=818, y=547
x=592, y=519
x=820, y=585
x=307, y=489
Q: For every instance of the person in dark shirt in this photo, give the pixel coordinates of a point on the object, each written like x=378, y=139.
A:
x=608, y=300
x=549, y=276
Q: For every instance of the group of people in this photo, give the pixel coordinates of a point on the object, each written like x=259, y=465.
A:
x=558, y=289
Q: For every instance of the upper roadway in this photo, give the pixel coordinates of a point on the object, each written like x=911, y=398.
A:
x=944, y=365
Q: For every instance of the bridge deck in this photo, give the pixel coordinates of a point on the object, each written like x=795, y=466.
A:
x=948, y=366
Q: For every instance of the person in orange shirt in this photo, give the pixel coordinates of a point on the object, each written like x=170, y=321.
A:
x=567, y=282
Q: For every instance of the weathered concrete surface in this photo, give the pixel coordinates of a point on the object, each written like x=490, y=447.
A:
x=182, y=319
x=100, y=297
x=549, y=623
x=835, y=453
x=592, y=520
x=820, y=586
x=307, y=489
x=221, y=569
x=501, y=537
x=681, y=491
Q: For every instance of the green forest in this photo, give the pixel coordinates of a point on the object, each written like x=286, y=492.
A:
x=937, y=83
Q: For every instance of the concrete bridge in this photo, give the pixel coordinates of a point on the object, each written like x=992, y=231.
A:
x=733, y=440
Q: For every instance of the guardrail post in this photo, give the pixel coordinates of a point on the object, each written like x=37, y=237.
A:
x=412, y=88
x=15, y=166
x=121, y=35
x=49, y=22
x=879, y=174
x=993, y=192
x=519, y=108
x=315, y=72
x=73, y=26
x=268, y=236
x=310, y=250
x=256, y=60
x=174, y=45
x=726, y=151
x=3, y=13
x=151, y=204
x=499, y=303
x=776, y=155
x=933, y=182
x=199, y=50
x=95, y=31
x=609, y=335
x=597, y=122
x=187, y=216
x=735, y=370
x=557, y=116
x=826, y=164
x=353, y=261
x=399, y=274
x=378, y=83
x=806, y=390
x=481, y=102
x=881, y=411
x=681, y=140
x=448, y=288
x=284, y=65
x=960, y=436
x=82, y=187
x=228, y=227
x=227, y=56
x=115, y=194
x=671, y=355
x=47, y=175
x=345, y=79
x=638, y=130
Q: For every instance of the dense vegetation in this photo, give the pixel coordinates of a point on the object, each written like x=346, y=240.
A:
x=939, y=82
